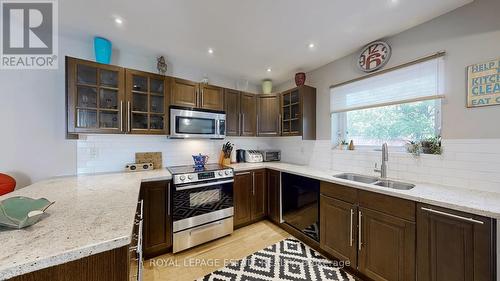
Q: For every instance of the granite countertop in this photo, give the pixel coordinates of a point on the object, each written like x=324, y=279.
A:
x=95, y=213
x=472, y=201
x=92, y=214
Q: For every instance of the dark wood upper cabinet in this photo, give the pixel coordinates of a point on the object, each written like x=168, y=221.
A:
x=196, y=95
x=268, y=116
x=157, y=231
x=232, y=108
x=184, y=93
x=298, y=112
x=211, y=97
x=147, y=102
x=273, y=195
x=338, y=235
x=386, y=246
x=259, y=195
x=248, y=111
x=242, y=194
x=95, y=96
x=453, y=245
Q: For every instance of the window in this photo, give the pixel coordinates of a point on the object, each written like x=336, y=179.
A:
x=393, y=107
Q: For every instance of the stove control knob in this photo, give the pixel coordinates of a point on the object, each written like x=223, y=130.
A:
x=220, y=173
x=182, y=178
x=190, y=177
x=227, y=172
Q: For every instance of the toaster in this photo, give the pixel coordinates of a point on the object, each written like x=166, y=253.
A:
x=253, y=156
x=271, y=155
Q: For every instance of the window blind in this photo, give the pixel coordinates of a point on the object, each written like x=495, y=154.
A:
x=416, y=82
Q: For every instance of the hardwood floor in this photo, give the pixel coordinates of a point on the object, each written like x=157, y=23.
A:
x=206, y=258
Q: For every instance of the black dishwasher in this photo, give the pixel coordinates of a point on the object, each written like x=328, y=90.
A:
x=300, y=204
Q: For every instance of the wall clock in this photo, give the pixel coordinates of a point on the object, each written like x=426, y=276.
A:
x=374, y=56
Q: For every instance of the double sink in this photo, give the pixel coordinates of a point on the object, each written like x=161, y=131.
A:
x=375, y=181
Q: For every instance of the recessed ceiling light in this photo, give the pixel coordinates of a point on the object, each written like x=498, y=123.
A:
x=395, y=1
x=268, y=69
x=311, y=45
x=118, y=21
x=210, y=50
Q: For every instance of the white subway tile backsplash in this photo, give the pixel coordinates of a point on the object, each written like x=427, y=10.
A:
x=466, y=163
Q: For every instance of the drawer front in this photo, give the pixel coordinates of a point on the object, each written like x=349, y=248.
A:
x=345, y=193
x=393, y=206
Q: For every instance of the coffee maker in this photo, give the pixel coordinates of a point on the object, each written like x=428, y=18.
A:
x=240, y=155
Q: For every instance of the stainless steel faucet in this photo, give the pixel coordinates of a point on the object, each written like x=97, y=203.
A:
x=383, y=166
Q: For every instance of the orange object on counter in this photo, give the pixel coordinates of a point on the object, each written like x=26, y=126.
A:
x=7, y=184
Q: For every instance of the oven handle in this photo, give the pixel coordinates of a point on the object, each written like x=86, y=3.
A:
x=202, y=185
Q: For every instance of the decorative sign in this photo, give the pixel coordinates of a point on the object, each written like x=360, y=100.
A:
x=483, y=84
x=374, y=56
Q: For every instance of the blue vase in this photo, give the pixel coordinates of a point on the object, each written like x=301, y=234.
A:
x=102, y=49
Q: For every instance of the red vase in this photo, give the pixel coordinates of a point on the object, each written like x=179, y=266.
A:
x=300, y=79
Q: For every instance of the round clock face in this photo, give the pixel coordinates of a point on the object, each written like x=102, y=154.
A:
x=374, y=56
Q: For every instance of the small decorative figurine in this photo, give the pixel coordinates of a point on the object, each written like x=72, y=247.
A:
x=161, y=65
x=351, y=145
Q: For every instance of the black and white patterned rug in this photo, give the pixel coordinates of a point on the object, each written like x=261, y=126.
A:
x=288, y=259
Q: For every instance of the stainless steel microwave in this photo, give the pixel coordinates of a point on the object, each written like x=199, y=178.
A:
x=197, y=123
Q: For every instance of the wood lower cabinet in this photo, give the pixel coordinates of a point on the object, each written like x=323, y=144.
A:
x=157, y=218
x=242, y=198
x=375, y=232
x=453, y=245
x=386, y=246
x=112, y=265
x=250, y=197
x=273, y=195
x=268, y=116
x=232, y=109
x=338, y=235
x=259, y=195
x=248, y=110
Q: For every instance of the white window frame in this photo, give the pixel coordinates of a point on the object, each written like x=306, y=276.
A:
x=339, y=124
x=339, y=128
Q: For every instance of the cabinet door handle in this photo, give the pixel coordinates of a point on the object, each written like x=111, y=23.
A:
x=242, y=173
x=279, y=124
x=360, y=233
x=350, y=229
x=121, y=116
x=242, y=123
x=168, y=199
x=451, y=215
x=129, y=117
x=258, y=127
x=253, y=184
x=201, y=98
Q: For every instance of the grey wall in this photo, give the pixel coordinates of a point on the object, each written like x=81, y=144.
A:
x=470, y=34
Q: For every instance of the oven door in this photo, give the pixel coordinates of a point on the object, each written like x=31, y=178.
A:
x=201, y=203
x=188, y=123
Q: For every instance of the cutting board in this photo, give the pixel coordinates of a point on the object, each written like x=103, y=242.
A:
x=149, y=157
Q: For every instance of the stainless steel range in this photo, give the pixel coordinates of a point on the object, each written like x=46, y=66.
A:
x=202, y=204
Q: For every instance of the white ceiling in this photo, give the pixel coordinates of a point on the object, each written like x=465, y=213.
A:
x=248, y=36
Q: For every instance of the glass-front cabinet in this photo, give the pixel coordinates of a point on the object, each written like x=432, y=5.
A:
x=95, y=96
x=298, y=111
x=147, y=102
x=113, y=100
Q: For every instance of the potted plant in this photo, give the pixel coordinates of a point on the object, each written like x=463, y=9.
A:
x=431, y=145
x=413, y=147
x=343, y=145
